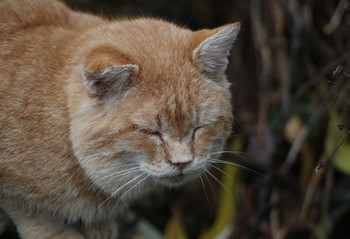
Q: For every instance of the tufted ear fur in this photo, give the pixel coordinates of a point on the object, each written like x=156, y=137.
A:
x=108, y=72
x=114, y=80
x=212, y=47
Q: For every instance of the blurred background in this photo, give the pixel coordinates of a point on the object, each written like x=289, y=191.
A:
x=289, y=72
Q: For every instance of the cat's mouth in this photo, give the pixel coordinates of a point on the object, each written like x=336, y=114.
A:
x=171, y=177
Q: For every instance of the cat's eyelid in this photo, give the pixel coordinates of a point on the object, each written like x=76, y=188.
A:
x=151, y=132
x=147, y=130
x=196, y=128
x=199, y=127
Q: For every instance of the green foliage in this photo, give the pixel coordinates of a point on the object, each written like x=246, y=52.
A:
x=336, y=145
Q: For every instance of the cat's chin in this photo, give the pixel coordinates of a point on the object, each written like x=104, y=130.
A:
x=175, y=181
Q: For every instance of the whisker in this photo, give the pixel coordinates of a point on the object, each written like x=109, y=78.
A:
x=117, y=174
x=218, y=181
x=205, y=191
x=130, y=190
x=229, y=176
x=236, y=153
x=118, y=190
x=128, y=165
x=124, y=172
x=240, y=166
x=211, y=186
x=120, y=173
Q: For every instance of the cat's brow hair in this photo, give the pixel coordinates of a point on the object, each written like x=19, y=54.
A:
x=159, y=122
x=178, y=115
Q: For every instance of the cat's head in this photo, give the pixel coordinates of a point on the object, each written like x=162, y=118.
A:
x=155, y=105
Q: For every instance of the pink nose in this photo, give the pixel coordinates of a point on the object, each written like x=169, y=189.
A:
x=181, y=165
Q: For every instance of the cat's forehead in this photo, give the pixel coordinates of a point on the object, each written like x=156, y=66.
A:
x=153, y=43
x=178, y=103
x=167, y=111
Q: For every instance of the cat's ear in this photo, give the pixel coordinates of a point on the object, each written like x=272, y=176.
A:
x=114, y=80
x=212, y=47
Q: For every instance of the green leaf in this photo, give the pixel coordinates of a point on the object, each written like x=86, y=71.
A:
x=342, y=158
x=335, y=145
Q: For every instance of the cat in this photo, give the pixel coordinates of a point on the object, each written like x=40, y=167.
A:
x=97, y=113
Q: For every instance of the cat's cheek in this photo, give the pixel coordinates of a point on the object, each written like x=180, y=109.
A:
x=113, y=165
x=202, y=143
x=210, y=145
x=152, y=148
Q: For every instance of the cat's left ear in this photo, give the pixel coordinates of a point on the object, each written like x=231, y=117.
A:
x=212, y=47
x=111, y=81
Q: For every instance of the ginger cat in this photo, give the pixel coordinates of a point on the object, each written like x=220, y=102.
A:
x=97, y=113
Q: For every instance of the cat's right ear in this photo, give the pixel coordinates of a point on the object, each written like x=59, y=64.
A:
x=111, y=81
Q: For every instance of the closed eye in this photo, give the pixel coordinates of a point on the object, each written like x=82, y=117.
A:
x=195, y=131
x=151, y=132
x=148, y=131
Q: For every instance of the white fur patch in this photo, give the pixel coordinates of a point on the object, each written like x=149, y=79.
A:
x=114, y=79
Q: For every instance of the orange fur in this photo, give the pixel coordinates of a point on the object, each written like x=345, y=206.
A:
x=83, y=98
